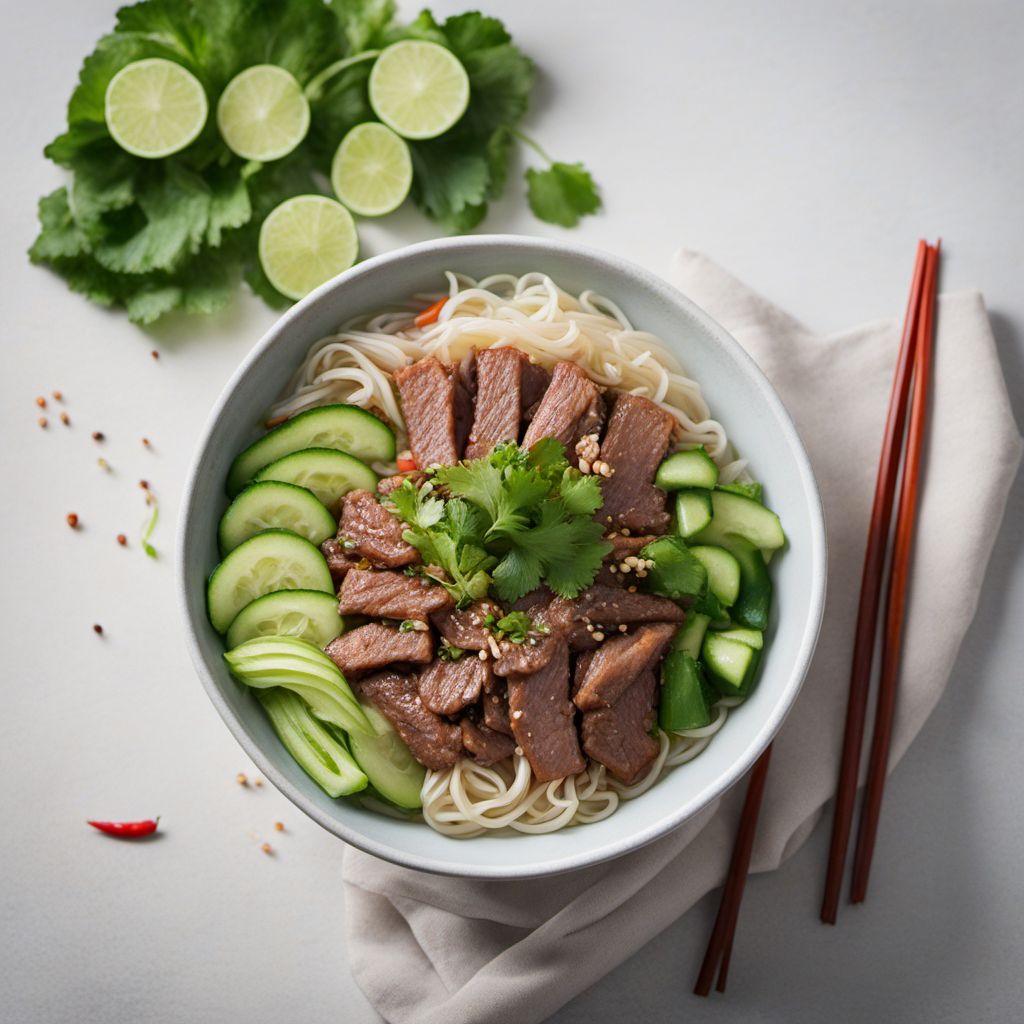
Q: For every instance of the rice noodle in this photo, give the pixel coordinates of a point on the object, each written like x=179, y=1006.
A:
x=355, y=365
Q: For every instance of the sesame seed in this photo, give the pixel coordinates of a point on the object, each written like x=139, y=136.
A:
x=241, y=779
x=641, y=573
x=599, y=636
x=632, y=560
x=613, y=568
x=519, y=750
x=517, y=714
x=623, y=627
x=584, y=467
x=267, y=848
x=278, y=826
x=482, y=655
x=625, y=531
x=625, y=567
x=43, y=422
x=590, y=627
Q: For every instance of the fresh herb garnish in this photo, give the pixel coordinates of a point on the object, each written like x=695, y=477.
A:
x=517, y=626
x=449, y=652
x=150, y=525
x=407, y=625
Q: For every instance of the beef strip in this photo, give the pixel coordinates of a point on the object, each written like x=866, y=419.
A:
x=446, y=687
x=391, y=595
x=622, y=548
x=484, y=744
x=535, y=381
x=495, y=705
x=571, y=407
x=543, y=718
x=428, y=390
x=499, y=379
x=582, y=639
x=464, y=379
x=634, y=444
x=374, y=533
x=619, y=737
x=617, y=662
x=434, y=742
x=465, y=628
x=556, y=614
x=375, y=645
x=339, y=561
x=390, y=483
x=612, y=606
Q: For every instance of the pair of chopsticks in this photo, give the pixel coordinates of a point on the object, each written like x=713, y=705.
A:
x=913, y=365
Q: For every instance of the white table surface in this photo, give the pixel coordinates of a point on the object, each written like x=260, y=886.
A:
x=804, y=145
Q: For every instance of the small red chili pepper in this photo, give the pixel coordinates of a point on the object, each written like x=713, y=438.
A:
x=405, y=465
x=127, y=829
x=431, y=313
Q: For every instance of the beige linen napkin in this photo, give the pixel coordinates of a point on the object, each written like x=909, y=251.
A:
x=431, y=950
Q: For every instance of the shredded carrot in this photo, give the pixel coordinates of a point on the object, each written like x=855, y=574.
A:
x=430, y=314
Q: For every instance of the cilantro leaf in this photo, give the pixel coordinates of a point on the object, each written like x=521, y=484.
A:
x=581, y=495
x=562, y=194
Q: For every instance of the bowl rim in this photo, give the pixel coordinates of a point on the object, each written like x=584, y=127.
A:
x=666, y=292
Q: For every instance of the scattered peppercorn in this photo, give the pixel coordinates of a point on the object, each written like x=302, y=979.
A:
x=279, y=826
x=97, y=435
x=98, y=629
x=58, y=396
x=241, y=779
x=122, y=539
x=144, y=484
x=257, y=782
x=43, y=422
x=72, y=519
x=65, y=419
x=145, y=442
x=155, y=354
x=267, y=848
x=41, y=402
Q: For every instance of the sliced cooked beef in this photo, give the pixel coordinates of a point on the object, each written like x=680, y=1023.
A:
x=390, y=483
x=619, y=737
x=571, y=407
x=543, y=718
x=535, y=382
x=582, y=639
x=466, y=628
x=375, y=645
x=484, y=744
x=556, y=616
x=612, y=606
x=580, y=670
x=374, y=533
x=391, y=595
x=634, y=444
x=623, y=546
x=429, y=398
x=434, y=742
x=339, y=561
x=617, y=662
x=499, y=380
x=447, y=687
x=495, y=705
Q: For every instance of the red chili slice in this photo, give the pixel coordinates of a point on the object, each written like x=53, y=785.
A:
x=127, y=829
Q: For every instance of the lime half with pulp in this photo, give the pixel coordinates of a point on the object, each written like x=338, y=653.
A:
x=305, y=241
x=371, y=171
x=154, y=108
x=263, y=114
x=418, y=89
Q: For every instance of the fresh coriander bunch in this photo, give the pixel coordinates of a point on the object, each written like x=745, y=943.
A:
x=194, y=120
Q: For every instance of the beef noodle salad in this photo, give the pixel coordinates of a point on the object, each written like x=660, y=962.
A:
x=494, y=565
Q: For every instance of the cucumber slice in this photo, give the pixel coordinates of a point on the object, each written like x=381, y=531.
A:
x=307, y=614
x=754, y=491
x=732, y=664
x=686, y=696
x=723, y=572
x=385, y=758
x=328, y=473
x=751, y=637
x=691, y=634
x=272, y=504
x=344, y=427
x=298, y=666
x=272, y=560
x=676, y=573
x=736, y=514
x=694, y=468
x=752, y=607
x=318, y=752
x=693, y=511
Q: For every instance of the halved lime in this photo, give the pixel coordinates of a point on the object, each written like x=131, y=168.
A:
x=305, y=241
x=263, y=114
x=418, y=89
x=371, y=171
x=154, y=107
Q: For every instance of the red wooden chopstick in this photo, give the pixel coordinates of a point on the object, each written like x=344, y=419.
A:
x=870, y=590
x=899, y=571
x=720, y=945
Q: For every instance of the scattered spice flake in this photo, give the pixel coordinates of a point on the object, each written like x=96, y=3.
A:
x=72, y=520
x=97, y=435
x=155, y=354
x=41, y=402
x=122, y=539
x=278, y=826
x=144, y=484
x=145, y=443
x=58, y=396
x=103, y=464
x=241, y=779
x=150, y=526
x=257, y=782
x=97, y=629
x=43, y=422
x=267, y=849
x=65, y=419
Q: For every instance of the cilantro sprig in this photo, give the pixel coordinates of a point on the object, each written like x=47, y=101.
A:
x=177, y=233
x=510, y=521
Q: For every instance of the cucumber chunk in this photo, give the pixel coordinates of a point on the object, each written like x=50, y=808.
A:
x=691, y=634
x=694, y=468
x=676, y=572
x=723, y=572
x=386, y=760
x=754, y=491
x=744, y=517
x=752, y=606
x=693, y=511
x=751, y=637
x=314, y=747
x=686, y=695
x=309, y=615
x=298, y=666
x=272, y=504
x=346, y=428
x=329, y=474
x=731, y=663
x=272, y=560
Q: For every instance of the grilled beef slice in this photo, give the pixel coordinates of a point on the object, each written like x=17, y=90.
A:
x=375, y=645
x=446, y=687
x=339, y=561
x=613, y=606
x=571, y=407
x=495, y=706
x=634, y=444
x=434, y=742
x=543, y=718
x=465, y=628
x=484, y=744
x=555, y=614
x=499, y=380
x=374, y=533
x=391, y=595
x=617, y=662
x=619, y=737
x=430, y=392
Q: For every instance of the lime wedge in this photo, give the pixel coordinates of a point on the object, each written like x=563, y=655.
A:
x=154, y=107
x=418, y=89
x=305, y=241
x=371, y=171
x=263, y=114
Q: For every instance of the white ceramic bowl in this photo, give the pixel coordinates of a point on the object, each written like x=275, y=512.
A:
x=740, y=397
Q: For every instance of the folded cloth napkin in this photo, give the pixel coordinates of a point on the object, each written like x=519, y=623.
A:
x=431, y=950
